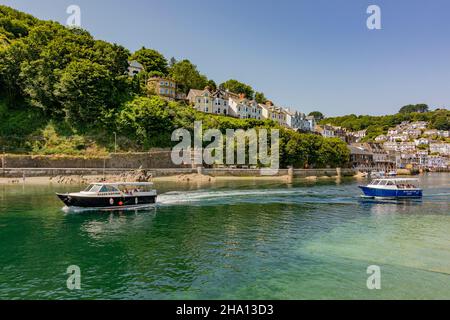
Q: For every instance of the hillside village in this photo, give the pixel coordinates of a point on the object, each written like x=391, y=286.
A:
x=408, y=145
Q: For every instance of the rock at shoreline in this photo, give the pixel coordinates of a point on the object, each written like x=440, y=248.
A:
x=195, y=177
x=139, y=175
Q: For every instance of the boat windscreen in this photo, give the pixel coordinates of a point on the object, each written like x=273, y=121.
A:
x=88, y=188
x=95, y=188
x=108, y=189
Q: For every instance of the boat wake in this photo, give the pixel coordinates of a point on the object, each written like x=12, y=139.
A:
x=70, y=210
x=293, y=195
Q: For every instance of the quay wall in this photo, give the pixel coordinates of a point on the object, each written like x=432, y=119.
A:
x=156, y=158
x=156, y=161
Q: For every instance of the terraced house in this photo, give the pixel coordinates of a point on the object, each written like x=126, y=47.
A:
x=237, y=105
x=244, y=109
x=271, y=112
x=163, y=87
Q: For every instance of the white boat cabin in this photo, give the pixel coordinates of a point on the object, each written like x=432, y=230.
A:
x=120, y=189
x=405, y=183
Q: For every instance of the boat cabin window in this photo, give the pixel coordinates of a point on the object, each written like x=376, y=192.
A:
x=374, y=182
x=406, y=185
x=93, y=188
x=390, y=183
x=135, y=188
x=89, y=187
x=108, y=189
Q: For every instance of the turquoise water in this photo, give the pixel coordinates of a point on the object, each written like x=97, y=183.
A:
x=235, y=240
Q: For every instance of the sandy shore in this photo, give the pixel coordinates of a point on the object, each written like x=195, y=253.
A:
x=187, y=178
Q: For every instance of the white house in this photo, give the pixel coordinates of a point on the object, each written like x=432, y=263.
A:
x=201, y=100
x=277, y=114
x=441, y=148
x=398, y=137
x=437, y=162
x=297, y=121
x=431, y=132
x=421, y=141
x=220, y=100
x=134, y=68
x=244, y=109
x=381, y=138
x=407, y=147
x=312, y=123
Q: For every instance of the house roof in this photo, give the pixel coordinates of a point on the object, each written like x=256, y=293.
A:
x=356, y=150
x=196, y=93
x=135, y=64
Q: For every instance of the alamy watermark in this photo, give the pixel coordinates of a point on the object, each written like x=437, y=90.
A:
x=74, y=280
x=374, y=20
x=236, y=147
x=374, y=280
x=74, y=19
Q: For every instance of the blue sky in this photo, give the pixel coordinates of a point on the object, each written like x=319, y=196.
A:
x=307, y=55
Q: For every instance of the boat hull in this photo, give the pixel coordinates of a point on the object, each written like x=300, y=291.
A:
x=106, y=202
x=391, y=193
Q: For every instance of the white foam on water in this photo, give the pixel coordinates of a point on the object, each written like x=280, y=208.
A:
x=72, y=210
x=264, y=195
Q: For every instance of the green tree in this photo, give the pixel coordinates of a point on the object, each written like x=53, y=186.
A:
x=212, y=85
x=441, y=120
x=260, y=97
x=151, y=59
x=172, y=62
x=187, y=76
x=84, y=89
x=414, y=108
x=317, y=115
x=148, y=120
x=238, y=88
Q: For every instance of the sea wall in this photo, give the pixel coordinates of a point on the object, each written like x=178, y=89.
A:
x=155, y=158
x=156, y=161
x=161, y=172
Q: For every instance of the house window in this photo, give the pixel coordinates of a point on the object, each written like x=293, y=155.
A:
x=206, y=109
x=224, y=111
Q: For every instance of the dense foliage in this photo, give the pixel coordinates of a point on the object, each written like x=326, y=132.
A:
x=187, y=76
x=318, y=116
x=377, y=125
x=238, y=87
x=414, y=108
x=63, y=92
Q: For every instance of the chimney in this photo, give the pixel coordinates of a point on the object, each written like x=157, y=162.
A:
x=242, y=96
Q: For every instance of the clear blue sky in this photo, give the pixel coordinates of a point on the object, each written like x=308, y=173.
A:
x=308, y=55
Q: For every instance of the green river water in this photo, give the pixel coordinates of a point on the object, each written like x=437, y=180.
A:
x=230, y=240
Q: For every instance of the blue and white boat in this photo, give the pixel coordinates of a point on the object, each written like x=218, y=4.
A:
x=392, y=188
